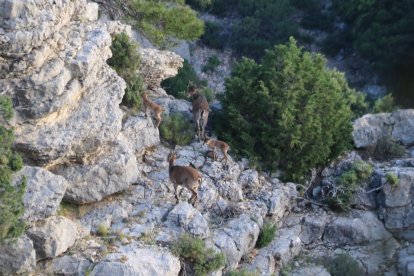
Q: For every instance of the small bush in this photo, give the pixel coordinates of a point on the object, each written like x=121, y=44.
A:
x=392, y=179
x=344, y=265
x=384, y=104
x=176, y=130
x=385, y=149
x=102, y=230
x=177, y=86
x=242, y=272
x=194, y=252
x=213, y=37
x=341, y=193
x=126, y=61
x=212, y=63
x=266, y=235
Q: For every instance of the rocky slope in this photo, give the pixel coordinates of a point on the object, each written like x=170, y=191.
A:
x=99, y=200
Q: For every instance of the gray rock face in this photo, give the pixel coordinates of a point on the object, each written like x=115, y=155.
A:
x=279, y=200
x=111, y=171
x=370, y=128
x=313, y=227
x=189, y=219
x=140, y=133
x=131, y=260
x=53, y=236
x=18, y=257
x=44, y=192
x=406, y=261
x=70, y=266
x=311, y=270
x=237, y=238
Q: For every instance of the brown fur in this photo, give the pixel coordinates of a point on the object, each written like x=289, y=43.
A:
x=224, y=147
x=185, y=176
x=200, y=111
x=155, y=108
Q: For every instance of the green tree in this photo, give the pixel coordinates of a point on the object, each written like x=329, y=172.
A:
x=290, y=111
x=163, y=21
x=126, y=61
x=11, y=196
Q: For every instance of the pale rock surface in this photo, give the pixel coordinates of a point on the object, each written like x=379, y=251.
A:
x=18, y=257
x=69, y=265
x=406, y=261
x=310, y=270
x=54, y=236
x=370, y=128
x=113, y=169
x=44, y=192
x=132, y=260
x=140, y=132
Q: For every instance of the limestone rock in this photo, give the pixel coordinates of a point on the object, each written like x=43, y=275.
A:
x=403, y=129
x=131, y=260
x=18, y=257
x=69, y=265
x=189, y=219
x=44, y=192
x=172, y=106
x=111, y=171
x=53, y=236
x=406, y=261
x=140, y=132
x=310, y=270
x=313, y=227
x=157, y=66
x=249, y=178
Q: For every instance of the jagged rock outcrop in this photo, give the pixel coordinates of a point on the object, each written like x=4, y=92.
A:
x=371, y=128
x=132, y=260
x=44, y=192
x=17, y=257
x=54, y=236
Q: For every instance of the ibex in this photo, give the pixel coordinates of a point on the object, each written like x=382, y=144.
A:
x=224, y=147
x=185, y=176
x=155, y=108
x=200, y=110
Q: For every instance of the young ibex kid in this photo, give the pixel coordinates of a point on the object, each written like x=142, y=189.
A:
x=224, y=147
x=200, y=110
x=155, y=108
x=185, y=176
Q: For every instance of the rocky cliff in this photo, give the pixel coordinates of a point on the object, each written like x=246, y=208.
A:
x=99, y=200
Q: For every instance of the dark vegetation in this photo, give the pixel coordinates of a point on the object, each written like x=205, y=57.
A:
x=266, y=235
x=11, y=196
x=343, y=265
x=197, y=256
x=176, y=130
x=289, y=112
x=125, y=61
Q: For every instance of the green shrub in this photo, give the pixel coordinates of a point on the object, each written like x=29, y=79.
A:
x=194, y=252
x=176, y=130
x=177, y=86
x=102, y=230
x=344, y=265
x=349, y=182
x=212, y=63
x=290, y=111
x=126, y=61
x=208, y=93
x=385, y=149
x=384, y=104
x=11, y=196
x=213, y=36
x=266, y=235
x=392, y=179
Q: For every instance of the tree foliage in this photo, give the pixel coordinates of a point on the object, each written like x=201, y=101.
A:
x=163, y=21
x=289, y=111
x=11, y=196
x=126, y=61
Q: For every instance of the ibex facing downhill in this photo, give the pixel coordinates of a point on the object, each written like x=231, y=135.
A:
x=155, y=108
x=200, y=110
x=185, y=176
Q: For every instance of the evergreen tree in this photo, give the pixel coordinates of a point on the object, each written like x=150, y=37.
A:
x=290, y=111
x=11, y=197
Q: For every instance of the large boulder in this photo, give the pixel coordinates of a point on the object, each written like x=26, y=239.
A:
x=406, y=261
x=140, y=132
x=53, y=236
x=44, y=192
x=69, y=265
x=112, y=170
x=371, y=128
x=132, y=260
x=17, y=257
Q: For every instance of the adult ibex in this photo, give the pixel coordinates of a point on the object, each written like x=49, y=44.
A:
x=185, y=176
x=155, y=108
x=200, y=110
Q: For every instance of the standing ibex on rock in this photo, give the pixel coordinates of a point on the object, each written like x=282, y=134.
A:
x=224, y=147
x=155, y=108
x=200, y=110
x=185, y=176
